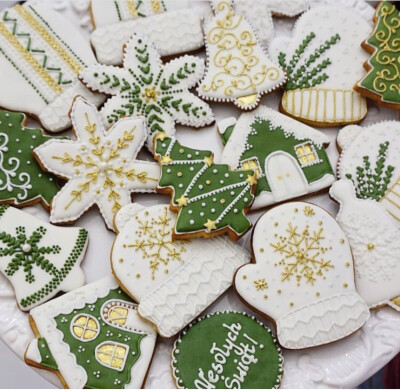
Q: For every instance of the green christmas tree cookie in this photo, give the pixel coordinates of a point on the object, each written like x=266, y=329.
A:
x=211, y=199
x=22, y=181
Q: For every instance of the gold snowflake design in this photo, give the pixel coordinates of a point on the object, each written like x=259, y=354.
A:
x=260, y=284
x=302, y=255
x=155, y=242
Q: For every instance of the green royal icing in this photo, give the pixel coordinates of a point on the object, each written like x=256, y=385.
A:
x=372, y=183
x=46, y=355
x=384, y=75
x=21, y=178
x=213, y=192
x=100, y=376
x=227, y=350
x=264, y=139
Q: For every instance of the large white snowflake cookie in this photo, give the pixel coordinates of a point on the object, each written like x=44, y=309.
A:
x=174, y=281
x=289, y=158
x=39, y=259
x=370, y=157
x=303, y=277
x=41, y=55
x=323, y=60
x=375, y=242
x=146, y=87
x=100, y=166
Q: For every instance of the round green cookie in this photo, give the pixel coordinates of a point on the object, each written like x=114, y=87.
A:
x=227, y=350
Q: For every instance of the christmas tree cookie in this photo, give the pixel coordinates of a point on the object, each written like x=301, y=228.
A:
x=238, y=69
x=289, y=158
x=381, y=83
x=100, y=165
x=22, y=181
x=323, y=60
x=92, y=338
x=41, y=54
x=370, y=157
x=302, y=277
x=174, y=281
x=375, y=242
x=39, y=259
x=146, y=87
x=227, y=350
x=210, y=199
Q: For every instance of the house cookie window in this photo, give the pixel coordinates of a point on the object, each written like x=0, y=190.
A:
x=306, y=154
x=116, y=312
x=253, y=165
x=112, y=355
x=84, y=327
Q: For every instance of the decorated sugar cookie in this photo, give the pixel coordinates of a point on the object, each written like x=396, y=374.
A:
x=146, y=87
x=211, y=198
x=227, y=350
x=41, y=54
x=174, y=281
x=100, y=165
x=22, y=181
x=92, y=338
x=375, y=242
x=39, y=259
x=259, y=13
x=323, y=60
x=381, y=83
x=238, y=69
x=370, y=157
x=289, y=158
x=302, y=277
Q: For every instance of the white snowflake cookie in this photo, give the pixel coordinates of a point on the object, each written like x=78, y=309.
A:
x=39, y=259
x=174, y=280
x=303, y=277
x=375, y=242
x=100, y=165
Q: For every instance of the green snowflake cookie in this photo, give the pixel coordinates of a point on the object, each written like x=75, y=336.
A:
x=211, y=199
x=146, y=87
x=227, y=350
x=22, y=181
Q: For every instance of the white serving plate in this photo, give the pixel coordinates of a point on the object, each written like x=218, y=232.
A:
x=346, y=363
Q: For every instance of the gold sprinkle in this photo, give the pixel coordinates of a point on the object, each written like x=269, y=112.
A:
x=296, y=210
x=279, y=291
x=317, y=294
x=181, y=150
x=261, y=250
x=208, y=182
x=166, y=271
x=291, y=304
x=121, y=260
x=179, y=174
x=265, y=296
x=276, y=224
x=345, y=285
x=146, y=213
x=370, y=246
x=244, y=276
x=342, y=241
x=222, y=201
x=138, y=276
x=347, y=264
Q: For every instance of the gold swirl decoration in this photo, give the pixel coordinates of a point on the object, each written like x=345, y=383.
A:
x=235, y=58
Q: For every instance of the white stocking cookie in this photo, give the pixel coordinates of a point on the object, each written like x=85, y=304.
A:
x=39, y=259
x=303, y=277
x=375, y=243
x=92, y=338
x=323, y=60
x=174, y=280
x=100, y=165
x=41, y=55
x=238, y=70
x=370, y=157
x=288, y=157
x=146, y=87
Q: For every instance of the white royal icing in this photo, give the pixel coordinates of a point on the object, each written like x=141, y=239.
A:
x=100, y=165
x=331, y=101
x=375, y=243
x=37, y=265
x=303, y=276
x=174, y=280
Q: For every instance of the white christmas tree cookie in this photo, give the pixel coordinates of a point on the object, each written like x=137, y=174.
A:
x=288, y=157
x=238, y=69
x=375, y=242
x=303, y=277
x=323, y=60
x=39, y=259
x=100, y=165
x=174, y=281
x=41, y=54
x=148, y=88
x=92, y=338
x=370, y=157
x=259, y=13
